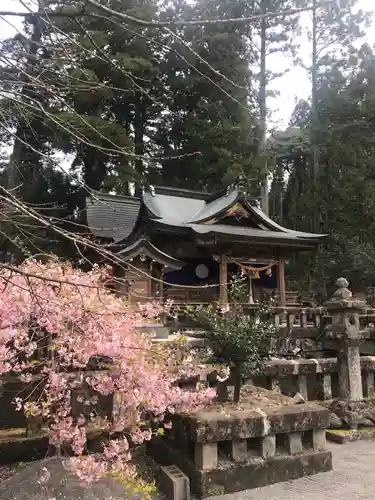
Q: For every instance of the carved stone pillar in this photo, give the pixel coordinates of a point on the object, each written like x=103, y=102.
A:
x=346, y=336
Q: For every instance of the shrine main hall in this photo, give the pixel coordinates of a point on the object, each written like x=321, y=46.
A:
x=186, y=246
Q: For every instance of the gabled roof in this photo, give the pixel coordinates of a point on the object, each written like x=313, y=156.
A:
x=187, y=210
x=144, y=246
x=181, y=211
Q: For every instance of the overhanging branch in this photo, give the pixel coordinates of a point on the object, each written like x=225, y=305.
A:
x=160, y=24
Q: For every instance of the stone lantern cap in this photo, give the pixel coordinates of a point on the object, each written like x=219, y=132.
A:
x=342, y=298
x=345, y=312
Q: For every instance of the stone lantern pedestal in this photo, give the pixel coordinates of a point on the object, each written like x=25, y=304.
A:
x=346, y=337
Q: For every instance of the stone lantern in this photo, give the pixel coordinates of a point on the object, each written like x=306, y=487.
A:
x=346, y=337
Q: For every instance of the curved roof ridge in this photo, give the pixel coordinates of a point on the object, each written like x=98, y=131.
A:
x=172, y=208
x=216, y=207
x=288, y=238
x=277, y=227
x=143, y=245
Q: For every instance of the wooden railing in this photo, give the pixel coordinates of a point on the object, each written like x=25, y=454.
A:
x=182, y=295
x=203, y=294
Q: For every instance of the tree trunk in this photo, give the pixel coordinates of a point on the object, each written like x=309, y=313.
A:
x=139, y=129
x=314, y=114
x=263, y=111
x=21, y=167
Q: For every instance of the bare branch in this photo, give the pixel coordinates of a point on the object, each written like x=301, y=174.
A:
x=159, y=24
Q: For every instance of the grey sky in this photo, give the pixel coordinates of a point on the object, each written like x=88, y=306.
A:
x=294, y=85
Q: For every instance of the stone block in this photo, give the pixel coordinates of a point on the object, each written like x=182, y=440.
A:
x=368, y=384
x=268, y=446
x=213, y=426
x=293, y=443
x=253, y=474
x=205, y=455
x=327, y=387
x=239, y=450
x=319, y=439
x=302, y=386
x=349, y=371
x=158, y=331
x=174, y=483
x=343, y=436
x=298, y=418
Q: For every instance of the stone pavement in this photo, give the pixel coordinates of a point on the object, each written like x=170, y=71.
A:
x=353, y=478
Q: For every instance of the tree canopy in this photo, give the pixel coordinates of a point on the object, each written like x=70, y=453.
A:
x=95, y=101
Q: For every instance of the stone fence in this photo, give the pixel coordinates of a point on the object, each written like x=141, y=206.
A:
x=105, y=407
x=314, y=379
x=306, y=329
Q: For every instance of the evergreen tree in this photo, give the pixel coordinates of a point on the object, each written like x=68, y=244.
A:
x=345, y=197
x=210, y=111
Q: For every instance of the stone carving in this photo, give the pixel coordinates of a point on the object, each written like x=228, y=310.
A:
x=346, y=335
x=342, y=292
x=351, y=414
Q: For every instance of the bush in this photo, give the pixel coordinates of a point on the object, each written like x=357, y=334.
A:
x=237, y=336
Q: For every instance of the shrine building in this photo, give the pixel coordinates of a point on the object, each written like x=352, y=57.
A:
x=185, y=245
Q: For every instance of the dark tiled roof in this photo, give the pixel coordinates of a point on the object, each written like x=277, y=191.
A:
x=116, y=216
x=110, y=216
x=178, y=210
x=289, y=238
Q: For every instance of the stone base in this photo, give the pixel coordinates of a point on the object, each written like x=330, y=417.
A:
x=230, y=478
x=343, y=436
x=16, y=447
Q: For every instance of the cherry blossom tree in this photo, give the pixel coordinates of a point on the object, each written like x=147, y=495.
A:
x=61, y=330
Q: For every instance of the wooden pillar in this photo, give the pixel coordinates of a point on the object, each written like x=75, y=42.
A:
x=251, y=293
x=281, y=281
x=223, y=275
x=161, y=285
x=140, y=289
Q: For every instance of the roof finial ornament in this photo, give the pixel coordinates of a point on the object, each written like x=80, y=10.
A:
x=239, y=184
x=149, y=188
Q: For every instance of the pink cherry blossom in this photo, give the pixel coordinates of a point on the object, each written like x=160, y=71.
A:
x=53, y=320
